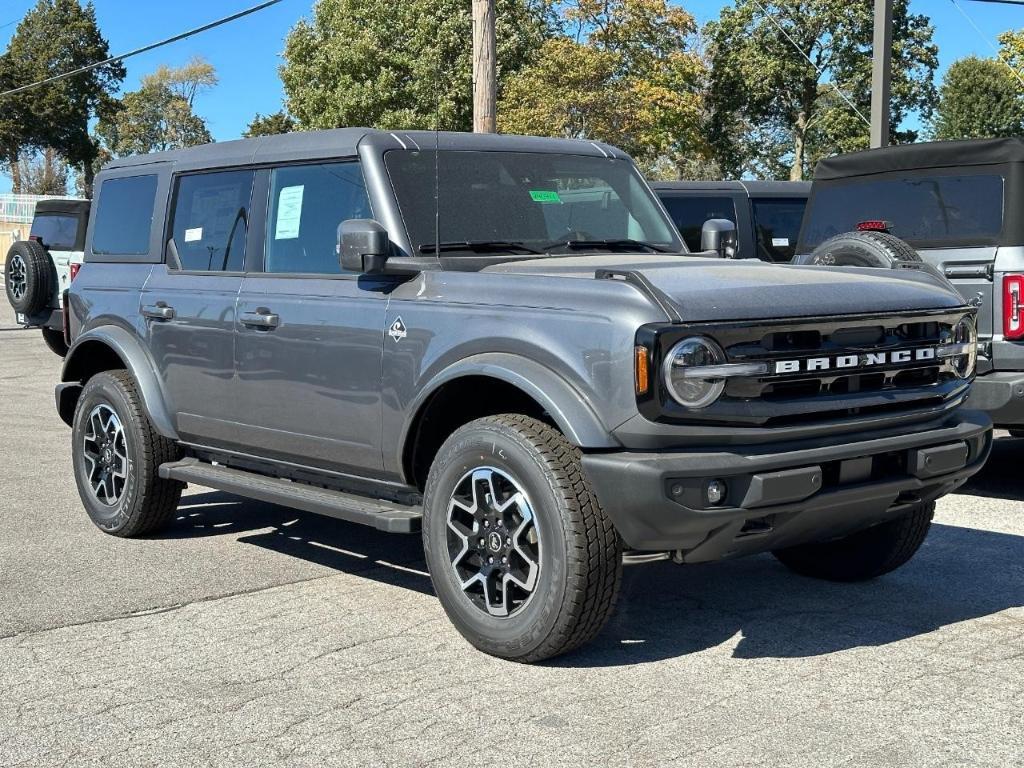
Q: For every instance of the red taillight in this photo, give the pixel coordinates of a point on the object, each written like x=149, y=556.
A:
x=74, y=269
x=874, y=225
x=35, y=238
x=1013, y=306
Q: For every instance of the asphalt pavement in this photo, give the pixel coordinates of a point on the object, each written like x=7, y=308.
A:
x=254, y=635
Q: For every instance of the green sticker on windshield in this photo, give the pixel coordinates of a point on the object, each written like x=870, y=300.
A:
x=544, y=196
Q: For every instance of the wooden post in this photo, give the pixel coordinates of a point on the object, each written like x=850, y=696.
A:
x=484, y=71
x=881, y=74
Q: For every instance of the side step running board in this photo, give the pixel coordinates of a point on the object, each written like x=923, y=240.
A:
x=382, y=515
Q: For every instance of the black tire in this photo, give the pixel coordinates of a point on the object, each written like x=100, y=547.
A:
x=29, y=277
x=863, y=555
x=861, y=249
x=145, y=503
x=580, y=553
x=54, y=339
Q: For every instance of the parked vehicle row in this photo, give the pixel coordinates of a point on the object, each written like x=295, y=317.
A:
x=503, y=344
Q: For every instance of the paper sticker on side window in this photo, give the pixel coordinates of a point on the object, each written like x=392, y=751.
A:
x=191, y=235
x=289, y=213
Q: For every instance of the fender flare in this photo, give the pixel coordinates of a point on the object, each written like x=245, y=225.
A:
x=135, y=358
x=569, y=409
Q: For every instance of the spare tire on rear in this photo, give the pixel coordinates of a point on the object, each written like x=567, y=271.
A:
x=29, y=277
x=861, y=249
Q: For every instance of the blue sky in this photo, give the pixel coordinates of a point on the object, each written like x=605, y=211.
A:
x=247, y=52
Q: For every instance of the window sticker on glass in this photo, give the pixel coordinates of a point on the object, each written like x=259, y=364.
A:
x=780, y=242
x=289, y=213
x=192, y=235
x=544, y=196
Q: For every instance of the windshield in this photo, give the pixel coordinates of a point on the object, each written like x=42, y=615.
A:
x=936, y=208
x=519, y=202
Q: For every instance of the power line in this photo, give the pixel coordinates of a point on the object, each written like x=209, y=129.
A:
x=983, y=36
x=143, y=49
x=819, y=70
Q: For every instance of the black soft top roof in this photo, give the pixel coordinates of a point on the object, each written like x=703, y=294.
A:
x=753, y=188
x=912, y=157
x=73, y=207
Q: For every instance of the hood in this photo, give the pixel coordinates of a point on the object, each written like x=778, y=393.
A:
x=718, y=289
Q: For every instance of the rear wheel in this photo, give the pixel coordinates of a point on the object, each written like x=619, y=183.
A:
x=865, y=554
x=29, y=277
x=524, y=561
x=54, y=339
x=116, y=455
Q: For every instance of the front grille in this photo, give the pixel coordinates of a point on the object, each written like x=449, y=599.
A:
x=864, y=388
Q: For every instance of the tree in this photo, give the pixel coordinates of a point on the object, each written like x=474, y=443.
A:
x=44, y=174
x=761, y=81
x=158, y=116
x=269, y=125
x=620, y=71
x=397, y=65
x=979, y=98
x=55, y=36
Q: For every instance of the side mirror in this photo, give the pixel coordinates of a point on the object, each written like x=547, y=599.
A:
x=719, y=235
x=363, y=246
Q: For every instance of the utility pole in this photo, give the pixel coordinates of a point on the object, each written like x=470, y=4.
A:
x=485, y=98
x=881, y=74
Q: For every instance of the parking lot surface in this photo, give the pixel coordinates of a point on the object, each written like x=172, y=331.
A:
x=250, y=634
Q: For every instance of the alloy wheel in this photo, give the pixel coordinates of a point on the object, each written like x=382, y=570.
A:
x=493, y=541
x=106, y=455
x=17, y=278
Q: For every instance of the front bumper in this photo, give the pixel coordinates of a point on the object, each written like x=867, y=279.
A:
x=784, y=494
x=1001, y=394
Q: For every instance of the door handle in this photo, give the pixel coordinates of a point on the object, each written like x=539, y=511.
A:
x=158, y=311
x=265, y=320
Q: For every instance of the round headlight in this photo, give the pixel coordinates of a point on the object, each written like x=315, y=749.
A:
x=965, y=332
x=686, y=388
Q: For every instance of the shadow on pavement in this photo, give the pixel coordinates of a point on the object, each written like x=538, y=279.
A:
x=1000, y=477
x=666, y=610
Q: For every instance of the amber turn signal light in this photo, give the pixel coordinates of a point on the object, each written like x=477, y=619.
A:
x=640, y=370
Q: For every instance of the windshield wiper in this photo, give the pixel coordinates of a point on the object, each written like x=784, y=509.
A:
x=620, y=244
x=479, y=246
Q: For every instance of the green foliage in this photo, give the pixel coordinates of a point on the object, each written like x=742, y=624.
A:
x=772, y=110
x=979, y=98
x=55, y=36
x=620, y=71
x=269, y=125
x=159, y=115
x=397, y=65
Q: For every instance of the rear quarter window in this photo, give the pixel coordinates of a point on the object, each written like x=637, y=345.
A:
x=777, y=226
x=56, y=231
x=925, y=210
x=124, y=216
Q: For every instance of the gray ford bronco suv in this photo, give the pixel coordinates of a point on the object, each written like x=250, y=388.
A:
x=502, y=342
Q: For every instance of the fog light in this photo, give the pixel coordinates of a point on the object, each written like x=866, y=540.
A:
x=716, y=492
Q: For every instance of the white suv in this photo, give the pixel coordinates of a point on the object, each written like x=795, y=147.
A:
x=40, y=269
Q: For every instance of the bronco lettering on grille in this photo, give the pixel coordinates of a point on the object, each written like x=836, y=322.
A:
x=855, y=361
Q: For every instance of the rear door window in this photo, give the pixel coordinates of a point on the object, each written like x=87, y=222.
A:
x=124, y=216
x=307, y=205
x=690, y=212
x=925, y=210
x=56, y=231
x=211, y=218
x=777, y=226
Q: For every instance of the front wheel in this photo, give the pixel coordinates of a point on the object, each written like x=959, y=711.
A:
x=523, y=559
x=865, y=554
